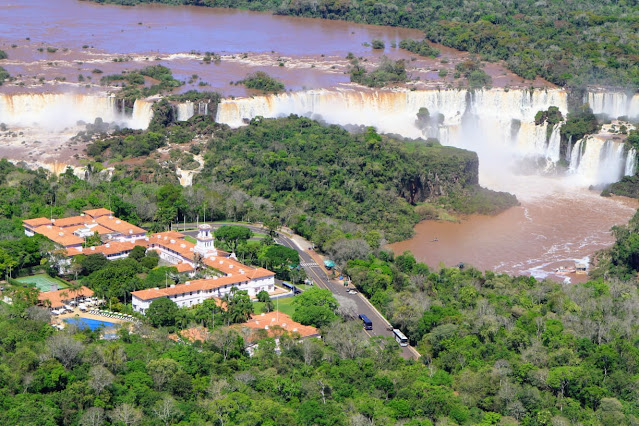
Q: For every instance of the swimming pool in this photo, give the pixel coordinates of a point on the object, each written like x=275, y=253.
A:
x=93, y=324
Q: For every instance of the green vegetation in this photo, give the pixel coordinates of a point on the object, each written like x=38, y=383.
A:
x=367, y=179
x=495, y=350
x=315, y=307
x=162, y=312
x=579, y=123
x=551, y=116
x=378, y=44
x=3, y=55
x=422, y=47
x=288, y=163
x=387, y=72
x=134, y=82
x=477, y=77
x=4, y=75
x=628, y=186
x=232, y=235
x=260, y=80
x=127, y=143
x=284, y=305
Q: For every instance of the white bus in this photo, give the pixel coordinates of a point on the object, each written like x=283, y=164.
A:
x=399, y=336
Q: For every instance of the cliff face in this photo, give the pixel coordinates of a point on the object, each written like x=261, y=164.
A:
x=444, y=171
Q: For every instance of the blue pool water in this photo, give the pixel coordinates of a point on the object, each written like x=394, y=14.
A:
x=88, y=322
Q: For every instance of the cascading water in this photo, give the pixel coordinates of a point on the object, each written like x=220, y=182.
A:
x=185, y=111
x=142, y=114
x=60, y=110
x=498, y=124
x=631, y=162
x=614, y=104
x=554, y=144
x=596, y=160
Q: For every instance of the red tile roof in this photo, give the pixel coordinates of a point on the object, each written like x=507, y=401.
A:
x=228, y=265
x=69, y=221
x=98, y=212
x=39, y=221
x=181, y=246
x=59, y=235
x=184, y=267
x=57, y=299
x=113, y=247
x=119, y=225
x=266, y=321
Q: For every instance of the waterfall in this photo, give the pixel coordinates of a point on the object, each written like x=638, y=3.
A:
x=142, y=114
x=631, y=162
x=56, y=110
x=614, y=104
x=394, y=111
x=597, y=160
x=59, y=110
x=482, y=120
x=554, y=144
x=498, y=124
x=575, y=156
x=185, y=111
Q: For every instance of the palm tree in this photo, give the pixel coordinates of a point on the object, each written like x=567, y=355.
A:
x=75, y=288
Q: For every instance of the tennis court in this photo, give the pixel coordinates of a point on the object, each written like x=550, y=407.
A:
x=44, y=282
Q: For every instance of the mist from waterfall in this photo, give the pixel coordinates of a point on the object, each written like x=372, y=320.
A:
x=56, y=111
x=498, y=124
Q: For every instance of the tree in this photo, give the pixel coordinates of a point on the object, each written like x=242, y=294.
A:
x=347, y=308
x=238, y=306
x=93, y=240
x=378, y=44
x=100, y=378
x=166, y=410
x=162, y=370
x=348, y=338
x=75, y=288
x=315, y=307
x=93, y=262
x=138, y=253
x=162, y=312
x=65, y=349
x=127, y=414
x=226, y=341
x=232, y=235
x=94, y=416
x=264, y=297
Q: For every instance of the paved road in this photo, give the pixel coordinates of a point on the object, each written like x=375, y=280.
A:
x=316, y=272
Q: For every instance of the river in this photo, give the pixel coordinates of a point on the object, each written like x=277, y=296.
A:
x=303, y=53
x=557, y=225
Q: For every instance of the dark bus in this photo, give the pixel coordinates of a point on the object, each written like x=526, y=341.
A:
x=368, y=324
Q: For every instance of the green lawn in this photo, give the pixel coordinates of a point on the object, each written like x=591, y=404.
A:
x=304, y=287
x=284, y=305
x=190, y=239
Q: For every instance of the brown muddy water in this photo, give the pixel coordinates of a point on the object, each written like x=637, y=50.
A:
x=556, y=225
x=303, y=53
